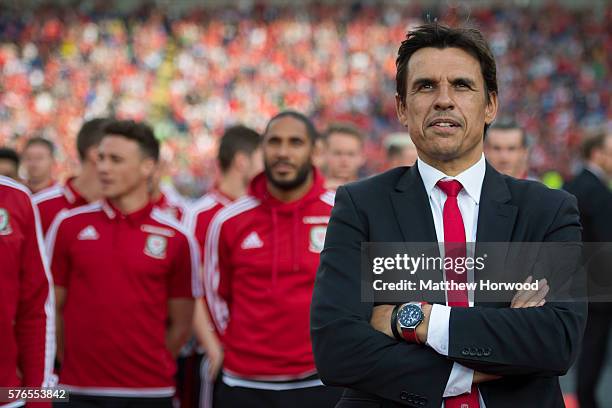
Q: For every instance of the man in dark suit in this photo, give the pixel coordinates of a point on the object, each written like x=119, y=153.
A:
x=454, y=355
x=591, y=188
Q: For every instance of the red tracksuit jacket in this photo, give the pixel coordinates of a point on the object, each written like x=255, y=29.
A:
x=260, y=264
x=27, y=325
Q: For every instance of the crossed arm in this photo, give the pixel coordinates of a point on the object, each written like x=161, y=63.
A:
x=381, y=319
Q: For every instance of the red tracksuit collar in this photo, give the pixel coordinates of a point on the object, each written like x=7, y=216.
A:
x=137, y=217
x=72, y=195
x=259, y=189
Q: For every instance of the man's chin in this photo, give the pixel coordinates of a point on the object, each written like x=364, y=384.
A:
x=109, y=194
x=284, y=183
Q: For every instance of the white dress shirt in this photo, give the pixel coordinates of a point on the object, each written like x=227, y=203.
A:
x=460, y=380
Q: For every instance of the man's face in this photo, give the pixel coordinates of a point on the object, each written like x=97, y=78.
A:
x=446, y=107
x=8, y=169
x=407, y=157
x=344, y=156
x=287, y=152
x=505, y=151
x=38, y=162
x=122, y=167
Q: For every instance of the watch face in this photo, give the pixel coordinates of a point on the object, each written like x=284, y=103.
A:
x=410, y=315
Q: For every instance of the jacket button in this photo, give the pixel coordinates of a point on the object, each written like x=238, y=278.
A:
x=404, y=395
x=487, y=352
x=480, y=352
x=465, y=352
x=473, y=351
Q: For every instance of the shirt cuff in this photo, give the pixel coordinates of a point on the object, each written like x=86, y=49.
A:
x=437, y=331
x=459, y=381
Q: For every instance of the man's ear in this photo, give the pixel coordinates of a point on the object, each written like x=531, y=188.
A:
x=148, y=167
x=491, y=108
x=240, y=161
x=400, y=108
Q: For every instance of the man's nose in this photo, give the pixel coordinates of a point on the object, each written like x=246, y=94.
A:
x=444, y=100
x=101, y=165
x=283, y=150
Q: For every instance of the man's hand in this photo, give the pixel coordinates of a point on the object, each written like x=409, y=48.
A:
x=531, y=298
x=381, y=321
x=214, y=352
x=480, y=377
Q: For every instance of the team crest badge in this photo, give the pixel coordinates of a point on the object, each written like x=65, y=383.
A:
x=317, y=238
x=156, y=246
x=5, y=226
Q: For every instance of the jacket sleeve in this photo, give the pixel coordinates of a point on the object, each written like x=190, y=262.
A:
x=533, y=341
x=348, y=351
x=217, y=274
x=35, y=325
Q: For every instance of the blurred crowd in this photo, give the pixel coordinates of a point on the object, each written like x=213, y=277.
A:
x=192, y=74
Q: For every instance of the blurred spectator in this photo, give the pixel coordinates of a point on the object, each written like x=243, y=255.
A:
x=9, y=163
x=61, y=64
x=343, y=154
x=38, y=159
x=506, y=149
x=401, y=151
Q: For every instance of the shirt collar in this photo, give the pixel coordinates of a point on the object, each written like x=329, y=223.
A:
x=71, y=194
x=471, y=179
x=135, y=217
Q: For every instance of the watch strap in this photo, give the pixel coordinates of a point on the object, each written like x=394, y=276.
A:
x=410, y=335
x=396, y=332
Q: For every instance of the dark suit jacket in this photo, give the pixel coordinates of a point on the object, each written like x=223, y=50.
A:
x=595, y=204
x=529, y=347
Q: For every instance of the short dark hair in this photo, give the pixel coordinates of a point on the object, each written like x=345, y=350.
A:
x=394, y=151
x=41, y=141
x=311, y=130
x=592, y=141
x=139, y=132
x=235, y=139
x=440, y=36
x=345, y=128
x=89, y=135
x=509, y=125
x=6, y=153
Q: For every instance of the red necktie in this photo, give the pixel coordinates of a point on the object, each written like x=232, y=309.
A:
x=454, y=248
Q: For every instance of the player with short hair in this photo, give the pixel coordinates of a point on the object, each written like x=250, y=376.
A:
x=261, y=257
x=79, y=190
x=126, y=275
x=38, y=160
x=343, y=150
x=9, y=163
x=239, y=159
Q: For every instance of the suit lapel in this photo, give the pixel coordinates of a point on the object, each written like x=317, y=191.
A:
x=412, y=209
x=496, y=217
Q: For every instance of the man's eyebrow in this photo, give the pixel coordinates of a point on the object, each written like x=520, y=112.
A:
x=468, y=81
x=422, y=81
